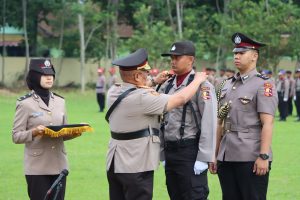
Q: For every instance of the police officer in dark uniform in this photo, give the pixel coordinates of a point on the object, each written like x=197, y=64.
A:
x=188, y=132
x=133, y=114
x=247, y=105
x=297, y=93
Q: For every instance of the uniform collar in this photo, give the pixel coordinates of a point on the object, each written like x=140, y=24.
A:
x=245, y=77
x=184, y=83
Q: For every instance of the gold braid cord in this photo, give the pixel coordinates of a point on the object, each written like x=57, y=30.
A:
x=222, y=109
x=70, y=131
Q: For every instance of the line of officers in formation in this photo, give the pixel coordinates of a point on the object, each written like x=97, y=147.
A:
x=190, y=126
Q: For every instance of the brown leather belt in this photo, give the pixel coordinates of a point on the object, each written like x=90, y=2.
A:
x=134, y=135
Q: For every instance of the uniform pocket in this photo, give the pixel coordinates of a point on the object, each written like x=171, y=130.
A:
x=35, y=152
x=245, y=102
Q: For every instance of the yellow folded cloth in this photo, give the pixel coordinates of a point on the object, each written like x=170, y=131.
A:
x=67, y=130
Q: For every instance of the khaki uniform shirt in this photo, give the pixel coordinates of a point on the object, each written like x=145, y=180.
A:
x=139, y=110
x=43, y=155
x=283, y=86
x=292, y=87
x=101, y=84
x=248, y=96
x=297, y=85
x=205, y=106
x=219, y=80
x=112, y=80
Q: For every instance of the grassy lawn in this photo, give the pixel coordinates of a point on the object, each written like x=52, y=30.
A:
x=86, y=154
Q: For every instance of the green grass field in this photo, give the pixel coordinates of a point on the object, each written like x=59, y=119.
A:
x=86, y=154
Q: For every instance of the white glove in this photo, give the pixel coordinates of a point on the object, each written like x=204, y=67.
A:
x=200, y=167
x=295, y=98
x=163, y=163
x=285, y=99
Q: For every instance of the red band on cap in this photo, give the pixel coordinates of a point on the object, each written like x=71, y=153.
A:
x=244, y=44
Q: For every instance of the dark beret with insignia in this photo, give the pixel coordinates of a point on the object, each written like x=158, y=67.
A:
x=181, y=48
x=244, y=43
x=135, y=61
x=42, y=65
x=297, y=70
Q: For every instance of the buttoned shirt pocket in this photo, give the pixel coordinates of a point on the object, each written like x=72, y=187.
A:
x=35, y=152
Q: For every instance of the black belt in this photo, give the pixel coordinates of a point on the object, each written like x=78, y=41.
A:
x=134, y=135
x=181, y=143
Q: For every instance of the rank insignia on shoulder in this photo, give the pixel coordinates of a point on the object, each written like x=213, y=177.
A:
x=154, y=93
x=268, y=90
x=58, y=95
x=262, y=76
x=25, y=96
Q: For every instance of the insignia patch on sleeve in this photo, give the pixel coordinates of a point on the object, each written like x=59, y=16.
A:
x=268, y=90
x=205, y=95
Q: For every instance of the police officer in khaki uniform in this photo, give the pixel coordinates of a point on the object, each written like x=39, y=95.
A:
x=248, y=103
x=44, y=157
x=189, y=131
x=283, y=91
x=297, y=93
x=101, y=89
x=291, y=91
x=134, y=109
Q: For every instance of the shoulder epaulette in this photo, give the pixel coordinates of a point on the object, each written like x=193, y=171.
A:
x=262, y=76
x=25, y=96
x=58, y=95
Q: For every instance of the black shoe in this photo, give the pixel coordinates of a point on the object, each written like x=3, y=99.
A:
x=282, y=120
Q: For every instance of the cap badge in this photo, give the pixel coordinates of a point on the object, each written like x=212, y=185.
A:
x=47, y=63
x=173, y=48
x=237, y=39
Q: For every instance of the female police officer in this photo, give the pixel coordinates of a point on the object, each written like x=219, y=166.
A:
x=44, y=157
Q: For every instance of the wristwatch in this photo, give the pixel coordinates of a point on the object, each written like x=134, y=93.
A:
x=264, y=156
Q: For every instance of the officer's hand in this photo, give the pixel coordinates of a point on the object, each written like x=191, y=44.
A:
x=161, y=77
x=39, y=130
x=213, y=167
x=285, y=99
x=201, y=76
x=261, y=167
x=163, y=163
x=200, y=167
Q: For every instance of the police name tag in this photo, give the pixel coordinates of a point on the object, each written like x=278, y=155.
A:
x=37, y=114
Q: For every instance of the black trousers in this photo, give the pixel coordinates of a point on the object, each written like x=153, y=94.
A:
x=297, y=103
x=282, y=106
x=182, y=183
x=290, y=106
x=101, y=101
x=38, y=185
x=130, y=186
x=238, y=182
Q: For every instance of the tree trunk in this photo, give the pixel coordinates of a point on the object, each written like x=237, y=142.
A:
x=3, y=42
x=179, y=9
x=61, y=40
x=170, y=16
x=24, y=6
x=82, y=51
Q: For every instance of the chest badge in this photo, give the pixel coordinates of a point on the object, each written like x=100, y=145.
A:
x=205, y=93
x=244, y=100
x=36, y=114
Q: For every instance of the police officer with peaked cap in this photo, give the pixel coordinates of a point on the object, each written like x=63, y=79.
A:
x=189, y=131
x=134, y=109
x=44, y=157
x=247, y=105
